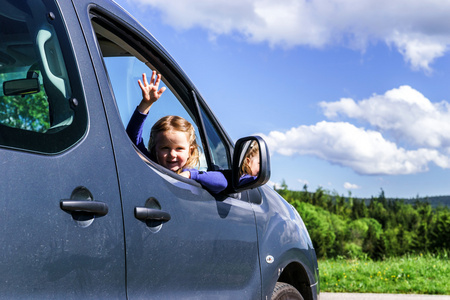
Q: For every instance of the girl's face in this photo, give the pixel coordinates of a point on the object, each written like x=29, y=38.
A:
x=254, y=165
x=172, y=149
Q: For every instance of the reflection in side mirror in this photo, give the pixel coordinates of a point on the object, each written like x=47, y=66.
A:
x=251, y=163
x=21, y=87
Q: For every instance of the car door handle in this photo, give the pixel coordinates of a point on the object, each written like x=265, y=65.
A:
x=144, y=214
x=88, y=206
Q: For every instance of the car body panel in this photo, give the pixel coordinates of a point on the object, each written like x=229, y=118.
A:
x=284, y=237
x=231, y=245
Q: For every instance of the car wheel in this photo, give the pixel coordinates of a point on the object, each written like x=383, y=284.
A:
x=285, y=291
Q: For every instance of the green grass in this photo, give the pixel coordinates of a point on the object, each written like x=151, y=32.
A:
x=410, y=274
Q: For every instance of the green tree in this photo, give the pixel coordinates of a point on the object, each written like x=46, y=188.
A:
x=320, y=227
x=386, y=227
x=440, y=232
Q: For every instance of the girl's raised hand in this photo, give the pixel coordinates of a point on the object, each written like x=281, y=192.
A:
x=150, y=92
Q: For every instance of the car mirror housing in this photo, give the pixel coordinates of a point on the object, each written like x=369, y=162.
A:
x=251, y=163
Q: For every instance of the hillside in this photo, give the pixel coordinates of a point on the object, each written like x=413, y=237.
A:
x=434, y=201
x=377, y=228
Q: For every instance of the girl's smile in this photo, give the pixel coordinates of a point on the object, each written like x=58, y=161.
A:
x=172, y=149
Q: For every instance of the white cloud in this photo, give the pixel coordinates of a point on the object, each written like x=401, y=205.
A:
x=351, y=186
x=403, y=112
x=418, y=49
x=418, y=29
x=365, y=151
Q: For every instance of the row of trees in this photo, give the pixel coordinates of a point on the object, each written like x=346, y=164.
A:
x=377, y=227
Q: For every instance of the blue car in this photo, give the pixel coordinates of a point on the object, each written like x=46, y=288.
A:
x=85, y=214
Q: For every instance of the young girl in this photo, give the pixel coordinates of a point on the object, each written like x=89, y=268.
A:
x=250, y=166
x=172, y=141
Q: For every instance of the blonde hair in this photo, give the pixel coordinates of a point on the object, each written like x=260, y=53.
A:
x=175, y=123
x=252, y=151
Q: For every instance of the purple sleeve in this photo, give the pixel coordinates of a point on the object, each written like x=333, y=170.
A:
x=134, y=130
x=213, y=181
x=246, y=178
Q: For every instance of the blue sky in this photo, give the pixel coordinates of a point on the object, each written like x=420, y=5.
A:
x=351, y=96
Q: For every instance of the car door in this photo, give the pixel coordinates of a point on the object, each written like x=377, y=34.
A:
x=193, y=244
x=61, y=218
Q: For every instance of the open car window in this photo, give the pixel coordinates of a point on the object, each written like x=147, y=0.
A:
x=125, y=63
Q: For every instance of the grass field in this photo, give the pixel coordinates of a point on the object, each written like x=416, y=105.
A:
x=411, y=274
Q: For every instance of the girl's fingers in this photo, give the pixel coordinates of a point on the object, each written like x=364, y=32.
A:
x=140, y=84
x=153, y=77
x=154, y=80
x=144, y=79
x=151, y=88
x=158, y=80
x=161, y=90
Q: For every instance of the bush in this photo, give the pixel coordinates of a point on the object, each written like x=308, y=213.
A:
x=376, y=229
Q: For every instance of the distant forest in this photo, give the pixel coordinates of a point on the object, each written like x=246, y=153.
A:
x=376, y=228
x=435, y=201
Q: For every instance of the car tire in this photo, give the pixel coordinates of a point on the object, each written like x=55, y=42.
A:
x=285, y=291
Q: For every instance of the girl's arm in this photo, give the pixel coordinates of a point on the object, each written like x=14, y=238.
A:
x=150, y=94
x=134, y=131
x=213, y=181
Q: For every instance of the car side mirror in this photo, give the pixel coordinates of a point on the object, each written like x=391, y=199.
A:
x=21, y=87
x=251, y=163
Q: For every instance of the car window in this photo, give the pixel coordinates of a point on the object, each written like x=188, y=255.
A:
x=38, y=109
x=218, y=150
x=125, y=63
